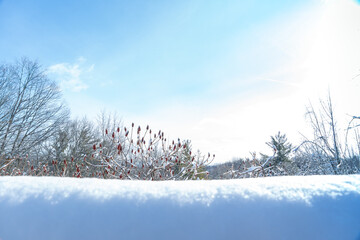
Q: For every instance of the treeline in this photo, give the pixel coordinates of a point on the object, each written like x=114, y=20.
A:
x=329, y=151
x=38, y=138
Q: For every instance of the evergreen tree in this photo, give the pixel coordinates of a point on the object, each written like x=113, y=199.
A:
x=283, y=148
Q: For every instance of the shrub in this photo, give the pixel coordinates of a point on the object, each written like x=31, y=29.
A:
x=123, y=154
x=144, y=155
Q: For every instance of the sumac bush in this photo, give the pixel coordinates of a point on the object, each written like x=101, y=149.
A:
x=145, y=155
x=132, y=154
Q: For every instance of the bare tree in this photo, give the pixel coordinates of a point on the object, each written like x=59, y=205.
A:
x=69, y=146
x=30, y=108
x=74, y=140
x=325, y=153
x=108, y=122
x=353, y=127
x=325, y=143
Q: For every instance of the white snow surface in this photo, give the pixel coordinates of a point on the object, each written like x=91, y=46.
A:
x=297, y=207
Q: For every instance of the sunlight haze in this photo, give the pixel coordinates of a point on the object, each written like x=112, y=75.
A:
x=225, y=74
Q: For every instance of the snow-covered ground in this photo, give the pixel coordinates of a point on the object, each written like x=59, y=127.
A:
x=312, y=207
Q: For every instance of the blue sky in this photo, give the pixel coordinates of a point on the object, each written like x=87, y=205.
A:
x=181, y=50
x=191, y=67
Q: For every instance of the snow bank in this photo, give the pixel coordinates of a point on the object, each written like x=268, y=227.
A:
x=312, y=207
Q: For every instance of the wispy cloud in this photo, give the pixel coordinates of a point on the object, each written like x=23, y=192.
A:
x=71, y=76
x=287, y=83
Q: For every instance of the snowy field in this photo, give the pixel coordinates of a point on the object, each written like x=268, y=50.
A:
x=312, y=207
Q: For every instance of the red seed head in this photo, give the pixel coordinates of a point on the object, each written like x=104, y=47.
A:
x=113, y=135
x=106, y=131
x=118, y=129
x=94, y=147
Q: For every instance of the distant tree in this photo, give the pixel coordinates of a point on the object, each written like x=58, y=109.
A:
x=279, y=143
x=108, y=123
x=275, y=165
x=69, y=146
